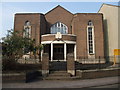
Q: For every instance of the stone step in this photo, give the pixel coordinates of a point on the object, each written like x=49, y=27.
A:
x=61, y=75
x=58, y=72
x=57, y=78
x=61, y=78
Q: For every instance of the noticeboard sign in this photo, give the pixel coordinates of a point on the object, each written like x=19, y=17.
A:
x=116, y=51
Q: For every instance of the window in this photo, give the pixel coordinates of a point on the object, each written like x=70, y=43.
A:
x=27, y=23
x=27, y=34
x=90, y=35
x=27, y=30
x=90, y=23
x=59, y=27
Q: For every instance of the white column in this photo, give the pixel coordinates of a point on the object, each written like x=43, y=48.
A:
x=75, y=52
x=65, y=50
x=51, y=51
x=41, y=54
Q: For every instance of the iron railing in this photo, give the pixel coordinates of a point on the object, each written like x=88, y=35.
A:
x=100, y=59
x=28, y=61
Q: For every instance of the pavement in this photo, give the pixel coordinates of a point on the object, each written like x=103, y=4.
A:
x=108, y=86
x=99, y=82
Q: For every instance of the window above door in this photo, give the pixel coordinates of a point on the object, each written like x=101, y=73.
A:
x=59, y=27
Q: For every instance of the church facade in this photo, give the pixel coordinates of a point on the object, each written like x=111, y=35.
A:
x=62, y=32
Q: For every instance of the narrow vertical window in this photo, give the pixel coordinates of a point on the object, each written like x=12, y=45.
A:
x=90, y=37
x=27, y=30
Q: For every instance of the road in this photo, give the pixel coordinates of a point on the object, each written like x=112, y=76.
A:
x=111, y=82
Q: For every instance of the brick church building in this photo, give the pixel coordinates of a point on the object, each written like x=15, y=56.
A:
x=62, y=32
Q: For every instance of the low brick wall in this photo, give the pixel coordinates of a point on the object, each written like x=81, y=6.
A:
x=13, y=77
x=21, y=77
x=90, y=74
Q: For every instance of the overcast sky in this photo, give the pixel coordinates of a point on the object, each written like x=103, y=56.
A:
x=10, y=8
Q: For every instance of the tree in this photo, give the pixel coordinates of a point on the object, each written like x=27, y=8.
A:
x=15, y=45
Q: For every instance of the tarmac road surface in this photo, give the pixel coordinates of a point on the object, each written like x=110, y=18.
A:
x=111, y=82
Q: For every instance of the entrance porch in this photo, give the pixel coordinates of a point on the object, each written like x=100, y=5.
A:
x=58, y=46
x=58, y=51
x=55, y=54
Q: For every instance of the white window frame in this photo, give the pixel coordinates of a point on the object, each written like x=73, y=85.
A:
x=93, y=40
x=27, y=25
x=55, y=26
x=24, y=33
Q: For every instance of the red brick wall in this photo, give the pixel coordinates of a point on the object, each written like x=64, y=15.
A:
x=59, y=14
x=76, y=24
x=79, y=28
x=37, y=26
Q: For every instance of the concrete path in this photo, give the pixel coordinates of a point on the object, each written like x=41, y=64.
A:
x=108, y=86
x=65, y=84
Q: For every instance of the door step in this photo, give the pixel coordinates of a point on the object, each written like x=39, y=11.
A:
x=62, y=78
x=60, y=75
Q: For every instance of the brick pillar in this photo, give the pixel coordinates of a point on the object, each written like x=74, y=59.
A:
x=45, y=64
x=70, y=64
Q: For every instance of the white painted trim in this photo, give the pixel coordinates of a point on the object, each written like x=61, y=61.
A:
x=58, y=60
x=67, y=42
x=48, y=35
x=55, y=34
x=87, y=42
x=41, y=54
x=51, y=51
x=93, y=41
x=58, y=42
x=75, y=52
x=46, y=42
x=69, y=34
x=65, y=51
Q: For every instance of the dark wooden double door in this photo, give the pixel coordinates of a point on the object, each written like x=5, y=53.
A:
x=58, y=52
